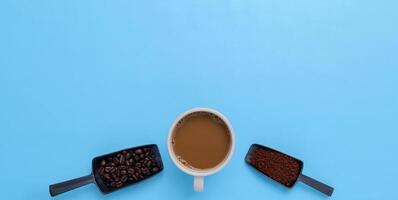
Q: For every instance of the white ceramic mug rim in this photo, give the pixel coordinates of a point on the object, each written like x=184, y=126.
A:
x=211, y=171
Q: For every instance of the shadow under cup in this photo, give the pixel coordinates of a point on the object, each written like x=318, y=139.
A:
x=201, y=142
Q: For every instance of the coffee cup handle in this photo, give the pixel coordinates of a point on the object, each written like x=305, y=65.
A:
x=198, y=183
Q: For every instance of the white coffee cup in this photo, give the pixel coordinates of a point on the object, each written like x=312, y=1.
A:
x=197, y=173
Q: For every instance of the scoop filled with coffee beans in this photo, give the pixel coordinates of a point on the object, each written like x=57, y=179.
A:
x=117, y=170
x=282, y=168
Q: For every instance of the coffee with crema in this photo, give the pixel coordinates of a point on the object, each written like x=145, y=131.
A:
x=201, y=140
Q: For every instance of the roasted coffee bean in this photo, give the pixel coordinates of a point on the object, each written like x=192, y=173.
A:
x=122, y=159
x=107, y=176
x=136, y=158
x=128, y=167
x=119, y=184
x=131, y=171
x=108, y=169
x=101, y=170
x=103, y=163
x=155, y=169
x=145, y=171
x=138, y=151
x=138, y=170
x=124, y=178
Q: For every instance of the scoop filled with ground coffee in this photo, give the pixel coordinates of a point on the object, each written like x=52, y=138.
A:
x=282, y=168
x=116, y=170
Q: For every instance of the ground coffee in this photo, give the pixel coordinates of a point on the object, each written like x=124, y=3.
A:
x=274, y=164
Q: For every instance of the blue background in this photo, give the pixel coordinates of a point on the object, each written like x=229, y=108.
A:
x=315, y=79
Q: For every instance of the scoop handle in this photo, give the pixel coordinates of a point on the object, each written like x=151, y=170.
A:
x=325, y=189
x=65, y=186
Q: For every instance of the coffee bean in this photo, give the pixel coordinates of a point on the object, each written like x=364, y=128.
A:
x=131, y=171
x=119, y=184
x=107, y=176
x=128, y=166
x=155, y=169
x=101, y=170
x=138, y=151
x=108, y=169
x=113, y=184
x=124, y=178
x=136, y=158
x=122, y=159
x=145, y=171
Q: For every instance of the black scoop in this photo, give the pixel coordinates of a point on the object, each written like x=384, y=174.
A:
x=117, y=170
x=282, y=168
